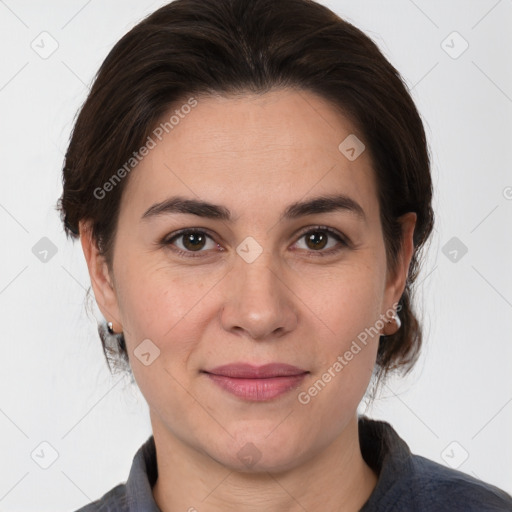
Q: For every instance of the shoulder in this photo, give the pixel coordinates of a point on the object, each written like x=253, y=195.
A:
x=114, y=500
x=136, y=493
x=409, y=482
x=442, y=488
x=426, y=486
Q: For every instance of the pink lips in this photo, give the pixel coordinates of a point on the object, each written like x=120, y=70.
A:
x=257, y=383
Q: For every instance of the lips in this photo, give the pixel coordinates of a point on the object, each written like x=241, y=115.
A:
x=257, y=383
x=248, y=371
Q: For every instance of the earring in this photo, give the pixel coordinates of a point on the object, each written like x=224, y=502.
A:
x=397, y=321
x=110, y=328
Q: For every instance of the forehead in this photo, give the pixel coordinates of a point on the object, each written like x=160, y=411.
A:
x=276, y=147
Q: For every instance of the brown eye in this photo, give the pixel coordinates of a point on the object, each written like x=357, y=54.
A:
x=318, y=239
x=190, y=241
x=193, y=241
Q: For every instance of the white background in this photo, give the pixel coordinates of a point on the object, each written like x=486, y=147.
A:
x=54, y=383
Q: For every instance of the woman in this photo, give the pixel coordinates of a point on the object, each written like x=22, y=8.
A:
x=250, y=182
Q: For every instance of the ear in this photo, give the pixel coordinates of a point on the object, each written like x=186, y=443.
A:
x=101, y=280
x=395, y=284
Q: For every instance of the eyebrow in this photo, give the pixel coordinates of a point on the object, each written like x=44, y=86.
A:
x=320, y=204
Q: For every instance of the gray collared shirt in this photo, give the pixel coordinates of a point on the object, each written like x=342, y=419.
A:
x=406, y=482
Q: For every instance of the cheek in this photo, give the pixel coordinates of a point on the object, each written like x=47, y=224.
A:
x=155, y=297
x=343, y=301
x=347, y=310
x=345, y=366
x=168, y=307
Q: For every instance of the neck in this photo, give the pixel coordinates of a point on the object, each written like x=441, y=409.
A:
x=336, y=477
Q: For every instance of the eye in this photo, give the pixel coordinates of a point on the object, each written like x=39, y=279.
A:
x=189, y=241
x=317, y=239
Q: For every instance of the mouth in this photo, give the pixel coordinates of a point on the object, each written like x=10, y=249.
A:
x=249, y=371
x=257, y=383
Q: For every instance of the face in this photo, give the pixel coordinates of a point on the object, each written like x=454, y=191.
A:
x=265, y=283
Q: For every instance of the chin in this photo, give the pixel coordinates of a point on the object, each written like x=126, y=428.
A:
x=262, y=453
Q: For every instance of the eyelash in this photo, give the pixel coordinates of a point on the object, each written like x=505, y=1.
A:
x=168, y=241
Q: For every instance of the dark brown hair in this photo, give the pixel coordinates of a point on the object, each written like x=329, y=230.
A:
x=200, y=47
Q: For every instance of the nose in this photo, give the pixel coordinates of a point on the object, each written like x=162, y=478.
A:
x=259, y=303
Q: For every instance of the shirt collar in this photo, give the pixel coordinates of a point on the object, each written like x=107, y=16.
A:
x=381, y=447
x=142, y=477
x=387, y=454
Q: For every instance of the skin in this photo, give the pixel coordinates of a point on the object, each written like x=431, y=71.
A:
x=255, y=155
